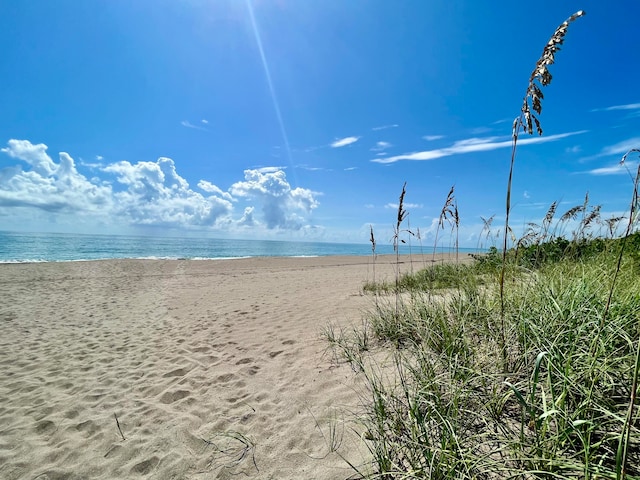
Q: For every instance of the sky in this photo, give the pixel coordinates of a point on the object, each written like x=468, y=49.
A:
x=302, y=120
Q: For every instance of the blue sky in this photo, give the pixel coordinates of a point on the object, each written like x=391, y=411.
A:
x=301, y=120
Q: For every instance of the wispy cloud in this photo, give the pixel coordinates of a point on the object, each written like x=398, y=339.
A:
x=269, y=169
x=472, y=145
x=394, y=206
x=312, y=169
x=480, y=130
x=384, y=127
x=380, y=146
x=97, y=164
x=205, y=121
x=619, y=149
x=186, y=123
x=574, y=149
x=616, y=169
x=629, y=106
x=431, y=138
x=343, y=142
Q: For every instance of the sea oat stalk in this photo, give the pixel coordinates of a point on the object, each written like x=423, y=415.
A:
x=531, y=108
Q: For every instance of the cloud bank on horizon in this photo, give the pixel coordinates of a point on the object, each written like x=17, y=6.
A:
x=149, y=193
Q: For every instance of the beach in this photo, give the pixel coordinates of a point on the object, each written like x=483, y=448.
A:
x=181, y=368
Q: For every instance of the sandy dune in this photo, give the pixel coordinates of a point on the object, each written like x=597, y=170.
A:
x=211, y=368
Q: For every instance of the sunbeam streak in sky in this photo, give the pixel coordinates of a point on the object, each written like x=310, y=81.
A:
x=272, y=91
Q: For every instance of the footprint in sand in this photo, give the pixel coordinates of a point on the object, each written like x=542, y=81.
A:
x=171, y=397
x=179, y=372
x=146, y=466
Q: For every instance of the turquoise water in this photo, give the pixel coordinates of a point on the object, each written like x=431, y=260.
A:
x=57, y=247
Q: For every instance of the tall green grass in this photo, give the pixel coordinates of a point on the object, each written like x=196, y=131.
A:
x=443, y=405
x=524, y=363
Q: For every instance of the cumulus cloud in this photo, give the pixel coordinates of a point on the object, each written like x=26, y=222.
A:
x=471, y=145
x=343, y=142
x=281, y=205
x=247, y=217
x=34, y=155
x=155, y=194
x=48, y=186
x=211, y=188
x=145, y=193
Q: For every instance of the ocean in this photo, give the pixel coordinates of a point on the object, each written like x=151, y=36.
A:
x=61, y=247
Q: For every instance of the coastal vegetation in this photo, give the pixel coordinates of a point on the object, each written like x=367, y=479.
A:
x=521, y=363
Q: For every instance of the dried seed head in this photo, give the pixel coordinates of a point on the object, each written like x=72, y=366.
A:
x=541, y=77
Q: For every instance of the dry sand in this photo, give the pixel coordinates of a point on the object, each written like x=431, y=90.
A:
x=213, y=369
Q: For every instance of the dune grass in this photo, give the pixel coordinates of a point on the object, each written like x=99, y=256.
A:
x=523, y=363
x=441, y=404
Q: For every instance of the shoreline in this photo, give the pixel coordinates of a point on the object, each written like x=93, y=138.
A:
x=405, y=258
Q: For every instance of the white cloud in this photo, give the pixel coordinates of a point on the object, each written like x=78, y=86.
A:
x=186, y=123
x=205, y=121
x=156, y=195
x=380, y=146
x=394, y=206
x=312, y=169
x=526, y=195
x=211, y=188
x=574, y=149
x=618, y=149
x=384, y=127
x=480, y=130
x=48, y=186
x=343, y=142
x=34, y=155
x=471, y=145
x=281, y=205
x=40, y=190
x=621, y=148
x=269, y=169
x=431, y=138
x=617, y=169
x=247, y=218
x=629, y=106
